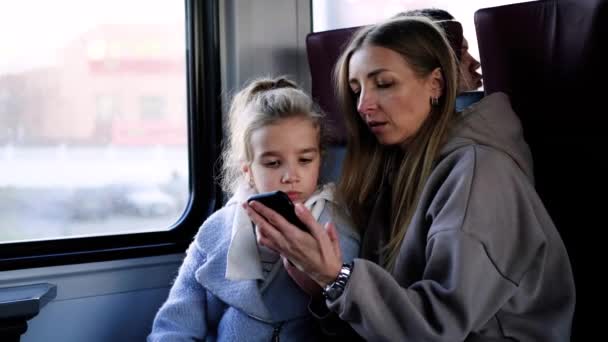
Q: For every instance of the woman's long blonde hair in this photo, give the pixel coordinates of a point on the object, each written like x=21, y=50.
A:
x=262, y=102
x=368, y=164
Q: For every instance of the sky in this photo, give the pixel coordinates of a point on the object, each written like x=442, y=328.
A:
x=34, y=30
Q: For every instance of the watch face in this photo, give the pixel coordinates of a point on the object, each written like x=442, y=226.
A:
x=335, y=289
x=334, y=292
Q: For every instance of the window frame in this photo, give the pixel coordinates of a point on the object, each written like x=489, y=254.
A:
x=204, y=137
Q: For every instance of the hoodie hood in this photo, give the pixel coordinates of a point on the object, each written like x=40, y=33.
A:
x=492, y=122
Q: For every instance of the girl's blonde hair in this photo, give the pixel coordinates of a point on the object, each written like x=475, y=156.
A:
x=262, y=102
x=368, y=165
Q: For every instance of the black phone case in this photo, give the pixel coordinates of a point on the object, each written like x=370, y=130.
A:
x=280, y=202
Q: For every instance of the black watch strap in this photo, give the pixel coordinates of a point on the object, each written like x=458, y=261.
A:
x=334, y=289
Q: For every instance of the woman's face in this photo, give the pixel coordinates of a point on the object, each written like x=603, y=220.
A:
x=391, y=99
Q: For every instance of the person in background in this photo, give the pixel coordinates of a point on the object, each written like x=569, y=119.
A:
x=470, y=79
x=456, y=243
x=229, y=287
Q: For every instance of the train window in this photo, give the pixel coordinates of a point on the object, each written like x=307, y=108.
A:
x=332, y=14
x=93, y=118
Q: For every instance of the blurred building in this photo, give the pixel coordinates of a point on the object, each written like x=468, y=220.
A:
x=116, y=84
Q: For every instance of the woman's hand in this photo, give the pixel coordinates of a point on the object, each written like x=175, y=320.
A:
x=302, y=279
x=317, y=254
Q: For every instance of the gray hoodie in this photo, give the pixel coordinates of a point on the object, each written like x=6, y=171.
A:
x=481, y=261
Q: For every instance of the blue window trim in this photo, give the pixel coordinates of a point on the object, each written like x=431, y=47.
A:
x=204, y=137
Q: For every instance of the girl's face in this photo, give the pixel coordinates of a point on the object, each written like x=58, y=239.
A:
x=392, y=100
x=286, y=157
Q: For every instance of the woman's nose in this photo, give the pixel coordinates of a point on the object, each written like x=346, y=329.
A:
x=367, y=103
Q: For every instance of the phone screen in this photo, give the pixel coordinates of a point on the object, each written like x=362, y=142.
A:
x=280, y=202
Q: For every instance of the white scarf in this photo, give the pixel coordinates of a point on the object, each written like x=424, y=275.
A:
x=243, y=257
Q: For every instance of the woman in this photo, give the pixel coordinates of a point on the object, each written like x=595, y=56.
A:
x=456, y=244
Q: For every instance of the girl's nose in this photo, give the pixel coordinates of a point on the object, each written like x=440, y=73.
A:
x=290, y=176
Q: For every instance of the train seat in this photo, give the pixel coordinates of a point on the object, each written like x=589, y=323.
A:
x=324, y=49
x=553, y=68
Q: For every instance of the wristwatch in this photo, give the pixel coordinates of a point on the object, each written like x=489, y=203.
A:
x=334, y=289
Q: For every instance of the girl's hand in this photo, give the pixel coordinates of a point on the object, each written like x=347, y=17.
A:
x=317, y=254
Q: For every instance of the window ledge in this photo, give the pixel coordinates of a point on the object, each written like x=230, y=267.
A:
x=18, y=304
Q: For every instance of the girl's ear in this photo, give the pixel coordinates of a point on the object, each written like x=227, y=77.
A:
x=436, y=83
x=246, y=168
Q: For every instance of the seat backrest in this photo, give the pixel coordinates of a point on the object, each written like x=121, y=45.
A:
x=551, y=64
x=324, y=49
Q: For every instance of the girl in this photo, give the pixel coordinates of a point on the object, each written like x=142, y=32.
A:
x=230, y=287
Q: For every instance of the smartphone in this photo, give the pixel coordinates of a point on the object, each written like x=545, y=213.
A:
x=280, y=202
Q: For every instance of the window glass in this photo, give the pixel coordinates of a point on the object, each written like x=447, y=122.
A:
x=152, y=108
x=334, y=14
x=93, y=122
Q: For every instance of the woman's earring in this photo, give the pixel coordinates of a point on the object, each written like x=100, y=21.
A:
x=434, y=101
